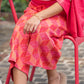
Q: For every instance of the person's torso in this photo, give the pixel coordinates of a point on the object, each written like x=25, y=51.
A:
x=44, y=0
x=47, y=3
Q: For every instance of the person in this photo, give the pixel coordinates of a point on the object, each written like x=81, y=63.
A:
x=37, y=39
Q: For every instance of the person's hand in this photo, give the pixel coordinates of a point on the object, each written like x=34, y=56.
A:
x=31, y=25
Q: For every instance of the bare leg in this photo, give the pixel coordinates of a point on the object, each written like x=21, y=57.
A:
x=19, y=76
x=53, y=77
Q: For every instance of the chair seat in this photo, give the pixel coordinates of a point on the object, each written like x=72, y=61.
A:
x=79, y=40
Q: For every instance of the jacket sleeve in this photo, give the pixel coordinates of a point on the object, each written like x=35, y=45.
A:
x=65, y=4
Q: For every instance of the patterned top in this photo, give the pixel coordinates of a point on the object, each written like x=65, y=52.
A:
x=44, y=2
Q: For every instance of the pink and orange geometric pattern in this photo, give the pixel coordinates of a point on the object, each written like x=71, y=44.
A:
x=42, y=48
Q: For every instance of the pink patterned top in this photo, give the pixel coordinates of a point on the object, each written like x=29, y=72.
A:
x=44, y=2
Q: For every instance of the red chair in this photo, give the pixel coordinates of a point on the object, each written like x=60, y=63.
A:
x=0, y=4
x=76, y=41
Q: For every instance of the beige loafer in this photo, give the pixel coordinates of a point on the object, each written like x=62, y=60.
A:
x=63, y=78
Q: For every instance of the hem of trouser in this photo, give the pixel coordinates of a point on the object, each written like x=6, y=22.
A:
x=41, y=66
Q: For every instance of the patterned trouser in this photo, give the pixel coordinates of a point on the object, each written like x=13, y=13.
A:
x=42, y=48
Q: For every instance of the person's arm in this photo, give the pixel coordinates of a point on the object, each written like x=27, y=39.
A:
x=54, y=9
x=50, y=11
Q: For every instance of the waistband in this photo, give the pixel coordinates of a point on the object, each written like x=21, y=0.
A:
x=43, y=2
x=40, y=5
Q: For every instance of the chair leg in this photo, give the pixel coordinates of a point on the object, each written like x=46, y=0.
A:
x=8, y=77
x=32, y=74
x=76, y=64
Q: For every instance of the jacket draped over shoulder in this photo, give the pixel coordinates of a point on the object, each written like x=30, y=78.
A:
x=65, y=4
x=74, y=10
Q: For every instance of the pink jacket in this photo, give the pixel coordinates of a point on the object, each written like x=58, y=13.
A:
x=74, y=10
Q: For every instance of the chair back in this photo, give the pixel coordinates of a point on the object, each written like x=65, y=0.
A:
x=13, y=11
